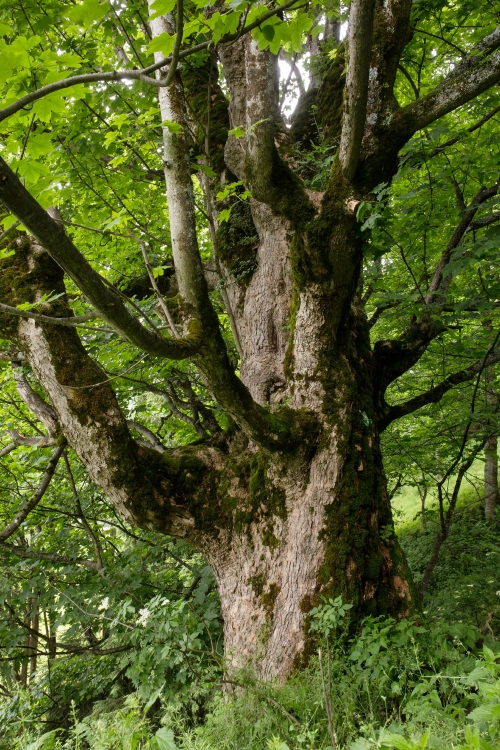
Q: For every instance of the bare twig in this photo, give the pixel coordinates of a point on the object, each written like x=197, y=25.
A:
x=90, y=532
x=75, y=321
x=327, y=699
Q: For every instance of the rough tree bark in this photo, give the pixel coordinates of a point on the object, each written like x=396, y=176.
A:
x=291, y=503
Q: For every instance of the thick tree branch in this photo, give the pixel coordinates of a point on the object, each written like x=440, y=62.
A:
x=473, y=75
x=40, y=408
x=435, y=394
x=148, y=434
x=23, y=513
x=356, y=90
x=212, y=360
x=436, y=285
x=145, y=489
x=31, y=554
x=485, y=221
x=72, y=322
x=251, y=75
x=54, y=239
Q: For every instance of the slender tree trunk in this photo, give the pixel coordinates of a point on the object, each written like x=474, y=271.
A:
x=35, y=624
x=27, y=644
x=490, y=458
x=491, y=476
x=422, y=491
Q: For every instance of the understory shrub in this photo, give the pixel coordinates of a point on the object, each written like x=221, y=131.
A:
x=430, y=682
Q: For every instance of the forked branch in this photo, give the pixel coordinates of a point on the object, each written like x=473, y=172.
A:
x=437, y=283
x=395, y=357
x=435, y=394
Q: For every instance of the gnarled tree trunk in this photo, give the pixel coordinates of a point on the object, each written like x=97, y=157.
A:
x=291, y=503
x=278, y=527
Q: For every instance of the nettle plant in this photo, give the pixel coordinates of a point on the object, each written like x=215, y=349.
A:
x=327, y=618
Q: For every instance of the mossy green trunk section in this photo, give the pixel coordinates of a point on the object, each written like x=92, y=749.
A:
x=309, y=522
x=294, y=527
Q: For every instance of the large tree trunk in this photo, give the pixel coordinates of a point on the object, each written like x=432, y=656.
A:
x=293, y=505
x=302, y=526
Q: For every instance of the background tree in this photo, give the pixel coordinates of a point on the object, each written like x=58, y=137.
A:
x=285, y=381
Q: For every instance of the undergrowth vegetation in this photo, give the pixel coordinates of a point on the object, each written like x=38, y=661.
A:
x=432, y=682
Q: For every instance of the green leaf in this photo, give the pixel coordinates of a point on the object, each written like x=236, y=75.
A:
x=86, y=13
x=228, y=190
x=205, y=169
x=40, y=144
x=397, y=741
x=44, y=108
x=10, y=61
x=268, y=32
x=32, y=170
x=162, y=7
x=165, y=739
x=489, y=713
x=5, y=252
x=298, y=27
x=360, y=744
x=46, y=741
x=174, y=127
x=163, y=43
x=237, y=132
